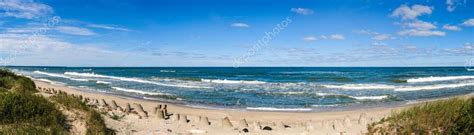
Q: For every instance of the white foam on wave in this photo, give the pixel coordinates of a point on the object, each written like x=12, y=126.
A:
x=139, y=91
x=45, y=80
x=360, y=86
x=51, y=82
x=435, y=79
x=129, y=79
x=333, y=105
x=294, y=93
x=434, y=87
x=103, y=82
x=167, y=71
x=369, y=97
x=60, y=76
x=225, y=81
x=327, y=94
x=278, y=109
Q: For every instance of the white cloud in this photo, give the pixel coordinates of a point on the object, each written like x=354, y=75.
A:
x=75, y=31
x=44, y=50
x=108, y=27
x=324, y=37
x=302, y=11
x=410, y=13
x=375, y=35
x=452, y=4
x=451, y=27
x=422, y=33
x=337, y=37
x=381, y=37
x=421, y=29
x=366, y=32
x=469, y=22
x=240, y=25
x=310, y=38
x=420, y=25
x=27, y=9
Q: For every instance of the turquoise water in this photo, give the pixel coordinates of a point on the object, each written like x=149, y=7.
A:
x=266, y=88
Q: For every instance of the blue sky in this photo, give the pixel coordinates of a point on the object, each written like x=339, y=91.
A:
x=227, y=33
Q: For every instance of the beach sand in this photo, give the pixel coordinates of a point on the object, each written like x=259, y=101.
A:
x=284, y=123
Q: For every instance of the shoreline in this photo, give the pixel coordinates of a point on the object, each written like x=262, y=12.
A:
x=327, y=122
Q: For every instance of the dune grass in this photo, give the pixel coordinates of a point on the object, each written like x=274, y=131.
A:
x=29, y=114
x=94, y=122
x=453, y=116
x=9, y=81
x=23, y=112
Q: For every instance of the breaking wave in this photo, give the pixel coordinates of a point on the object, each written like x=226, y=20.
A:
x=225, y=81
x=138, y=91
x=360, y=86
x=60, y=76
x=130, y=79
x=434, y=87
x=435, y=79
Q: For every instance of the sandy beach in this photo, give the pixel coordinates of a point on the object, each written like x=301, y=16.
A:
x=256, y=122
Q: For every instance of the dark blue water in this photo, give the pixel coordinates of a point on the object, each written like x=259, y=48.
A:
x=266, y=88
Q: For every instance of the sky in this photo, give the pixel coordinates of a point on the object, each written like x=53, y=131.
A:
x=130, y=33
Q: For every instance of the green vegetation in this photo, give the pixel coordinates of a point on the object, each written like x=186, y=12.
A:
x=15, y=83
x=23, y=112
x=95, y=123
x=29, y=113
x=454, y=116
x=116, y=117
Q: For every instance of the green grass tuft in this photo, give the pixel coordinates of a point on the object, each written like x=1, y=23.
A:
x=29, y=112
x=454, y=116
x=15, y=83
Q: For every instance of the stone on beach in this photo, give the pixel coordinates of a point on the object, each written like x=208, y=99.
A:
x=160, y=114
x=267, y=128
x=225, y=123
x=257, y=125
x=204, y=121
x=182, y=118
x=336, y=125
x=128, y=109
x=93, y=102
x=243, y=123
x=113, y=105
x=157, y=109
x=102, y=103
x=139, y=110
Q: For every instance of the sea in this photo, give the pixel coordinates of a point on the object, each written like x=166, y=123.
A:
x=305, y=89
